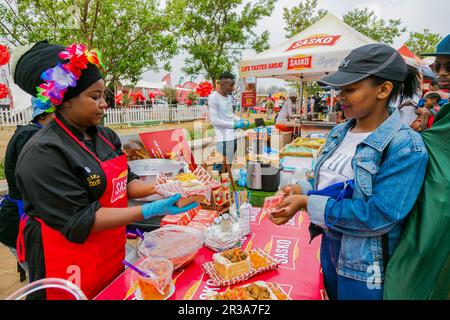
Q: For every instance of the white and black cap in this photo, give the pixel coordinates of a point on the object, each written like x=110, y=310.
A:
x=378, y=60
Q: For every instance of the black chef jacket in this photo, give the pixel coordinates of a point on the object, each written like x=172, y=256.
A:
x=61, y=184
x=9, y=213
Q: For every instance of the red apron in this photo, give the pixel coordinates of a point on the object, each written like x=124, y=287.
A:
x=97, y=262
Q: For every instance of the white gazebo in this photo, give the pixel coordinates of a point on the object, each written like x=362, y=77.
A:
x=308, y=56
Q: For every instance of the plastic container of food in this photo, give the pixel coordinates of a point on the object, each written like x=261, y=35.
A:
x=159, y=283
x=178, y=244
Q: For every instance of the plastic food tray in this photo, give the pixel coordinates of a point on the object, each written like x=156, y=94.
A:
x=312, y=143
x=305, y=154
x=218, y=280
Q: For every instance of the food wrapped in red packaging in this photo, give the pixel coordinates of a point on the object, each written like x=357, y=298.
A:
x=181, y=219
x=203, y=219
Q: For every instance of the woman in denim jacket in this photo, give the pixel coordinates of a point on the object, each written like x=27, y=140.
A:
x=367, y=178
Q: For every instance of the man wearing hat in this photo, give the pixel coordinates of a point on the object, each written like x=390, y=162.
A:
x=442, y=65
x=11, y=207
x=286, y=111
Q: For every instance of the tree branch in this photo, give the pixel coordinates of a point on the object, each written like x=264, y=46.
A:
x=97, y=11
x=12, y=35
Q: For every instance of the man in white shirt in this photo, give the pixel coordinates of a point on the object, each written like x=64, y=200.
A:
x=224, y=120
x=286, y=111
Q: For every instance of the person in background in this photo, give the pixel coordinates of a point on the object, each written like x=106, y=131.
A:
x=12, y=204
x=328, y=103
x=434, y=86
x=367, y=177
x=427, y=113
x=317, y=103
x=286, y=112
x=442, y=66
x=223, y=119
x=340, y=115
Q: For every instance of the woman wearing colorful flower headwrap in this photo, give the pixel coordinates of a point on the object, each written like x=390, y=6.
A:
x=74, y=176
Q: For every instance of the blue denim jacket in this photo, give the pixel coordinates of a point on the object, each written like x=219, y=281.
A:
x=389, y=167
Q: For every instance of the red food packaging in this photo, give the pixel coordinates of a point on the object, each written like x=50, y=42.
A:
x=199, y=225
x=181, y=219
x=208, y=215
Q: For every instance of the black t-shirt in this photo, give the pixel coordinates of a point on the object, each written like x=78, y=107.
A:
x=9, y=214
x=61, y=184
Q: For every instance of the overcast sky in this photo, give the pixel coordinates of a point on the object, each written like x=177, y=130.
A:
x=416, y=15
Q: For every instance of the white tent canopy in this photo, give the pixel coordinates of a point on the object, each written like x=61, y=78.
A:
x=309, y=56
x=21, y=99
x=144, y=84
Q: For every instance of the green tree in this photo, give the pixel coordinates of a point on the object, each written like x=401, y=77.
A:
x=423, y=42
x=192, y=96
x=301, y=17
x=215, y=32
x=132, y=36
x=171, y=95
x=366, y=22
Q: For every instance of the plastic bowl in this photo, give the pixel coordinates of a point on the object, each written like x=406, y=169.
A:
x=284, y=127
x=178, y=244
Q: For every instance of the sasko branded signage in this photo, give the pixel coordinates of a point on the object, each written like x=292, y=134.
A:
x=315, y=41
x=300, y=62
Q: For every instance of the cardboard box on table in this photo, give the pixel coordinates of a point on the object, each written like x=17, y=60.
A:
x=279, y=139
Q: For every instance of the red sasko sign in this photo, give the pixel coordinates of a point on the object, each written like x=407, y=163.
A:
x=299, y=63
x=315, y=41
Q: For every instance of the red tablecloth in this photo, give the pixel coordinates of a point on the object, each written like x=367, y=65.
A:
x=299, y=273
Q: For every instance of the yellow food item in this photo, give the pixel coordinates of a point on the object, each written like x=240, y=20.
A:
x=258, y=261
x=250, y=292
x=185, y=177
x=235, y=255
x=232, y=263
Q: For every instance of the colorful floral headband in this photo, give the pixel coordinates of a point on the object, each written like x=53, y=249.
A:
x=57, y=80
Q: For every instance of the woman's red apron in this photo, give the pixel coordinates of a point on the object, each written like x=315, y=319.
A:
x=98, y=261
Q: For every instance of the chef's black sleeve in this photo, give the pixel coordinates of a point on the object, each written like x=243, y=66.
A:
x=57, y=194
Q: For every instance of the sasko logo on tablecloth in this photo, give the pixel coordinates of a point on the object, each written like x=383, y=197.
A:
x=300, y=62
x=316, y=40
x=284, y=249
x=201, y=290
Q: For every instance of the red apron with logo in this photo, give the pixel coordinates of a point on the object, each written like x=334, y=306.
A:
x=98, y=261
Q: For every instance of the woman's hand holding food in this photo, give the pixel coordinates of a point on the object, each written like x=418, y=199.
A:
x=288, y=208
x=290, y=189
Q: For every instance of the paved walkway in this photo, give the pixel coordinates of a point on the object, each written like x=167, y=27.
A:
x=9, y=277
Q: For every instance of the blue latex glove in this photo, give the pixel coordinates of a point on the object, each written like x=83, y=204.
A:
x=164, y=207
x=239, y=124
x=246, y=124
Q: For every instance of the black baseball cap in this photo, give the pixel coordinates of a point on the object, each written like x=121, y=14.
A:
x=378, y=60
